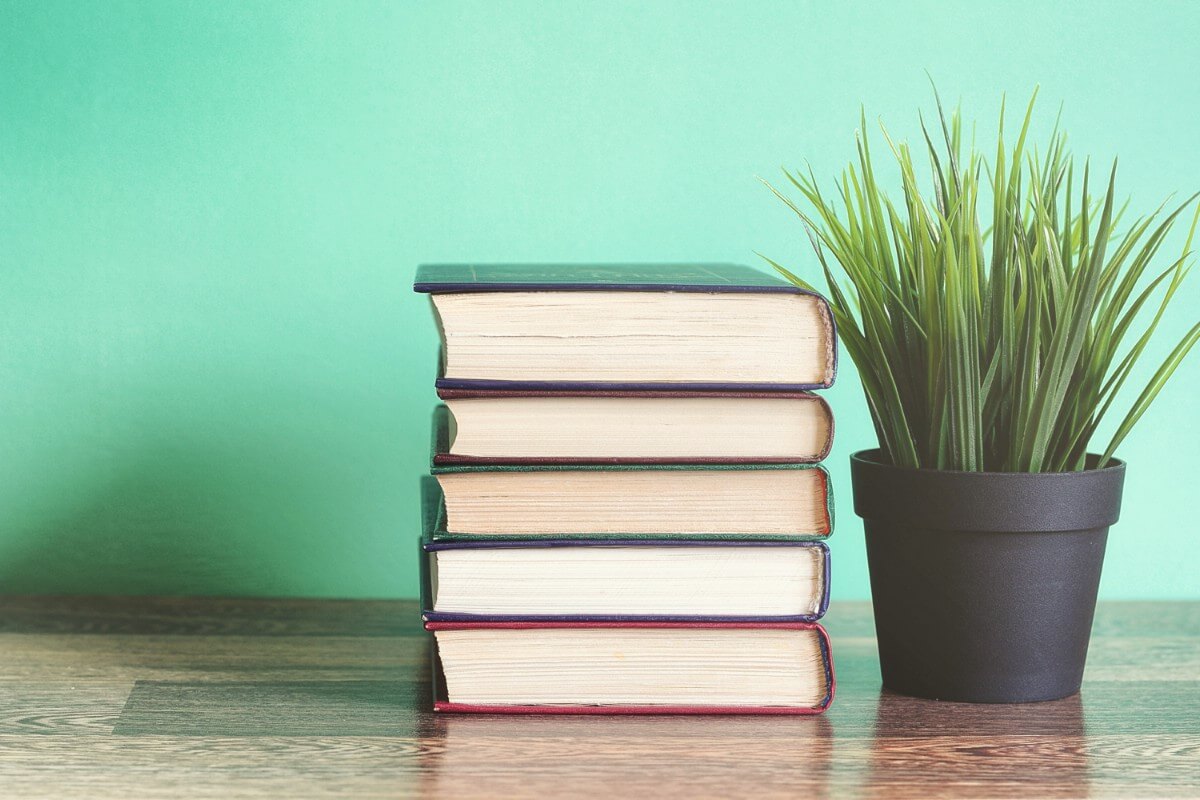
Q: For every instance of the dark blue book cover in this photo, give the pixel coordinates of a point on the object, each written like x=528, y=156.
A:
x=438, y=616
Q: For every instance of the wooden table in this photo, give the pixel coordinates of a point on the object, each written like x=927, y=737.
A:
x=112, y=697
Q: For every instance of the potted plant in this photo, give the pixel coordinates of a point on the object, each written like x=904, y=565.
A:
x=994, y=319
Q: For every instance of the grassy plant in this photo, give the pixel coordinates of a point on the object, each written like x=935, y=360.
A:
x=992, y=344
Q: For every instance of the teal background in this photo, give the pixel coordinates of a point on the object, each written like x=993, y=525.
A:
x=213, y=376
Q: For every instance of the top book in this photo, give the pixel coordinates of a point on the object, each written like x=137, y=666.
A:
x=627, y=326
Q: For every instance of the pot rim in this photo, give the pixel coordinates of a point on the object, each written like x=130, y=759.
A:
x=864, y=457
x=1012, y=502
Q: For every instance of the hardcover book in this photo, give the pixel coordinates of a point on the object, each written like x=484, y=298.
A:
x=619, y=579
x=622, y=427
x=759, y=501
x=439, y=531
x=615, y=580
x=631, y=667
x=721, y=327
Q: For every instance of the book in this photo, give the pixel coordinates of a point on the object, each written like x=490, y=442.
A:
x=759, y=501
x=439, y=531
x=632, y=667
x=762, y=500
x=559, y=580
x=613, y=427
x=630, y=326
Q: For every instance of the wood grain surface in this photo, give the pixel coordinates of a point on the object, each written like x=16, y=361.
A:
x=220, y=698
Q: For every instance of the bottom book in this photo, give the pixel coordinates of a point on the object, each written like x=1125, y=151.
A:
x=632, y=667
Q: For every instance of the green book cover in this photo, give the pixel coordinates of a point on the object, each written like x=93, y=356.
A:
x=439, y=532
x=566, y=277
x=708, y=279
x=431, y=509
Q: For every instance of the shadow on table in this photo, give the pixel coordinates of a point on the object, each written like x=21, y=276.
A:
x=272, y=709
x=929, y=749
x=312, y=686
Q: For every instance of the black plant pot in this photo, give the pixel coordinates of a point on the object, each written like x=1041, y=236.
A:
x=984, y=583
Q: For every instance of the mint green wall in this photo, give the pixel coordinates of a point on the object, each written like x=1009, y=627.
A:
x=213, y=377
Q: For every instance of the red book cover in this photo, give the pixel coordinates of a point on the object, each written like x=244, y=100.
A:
x=441, y=703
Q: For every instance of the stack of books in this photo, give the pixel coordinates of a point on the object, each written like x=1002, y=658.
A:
x=626, y=510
